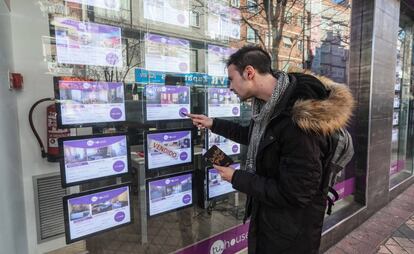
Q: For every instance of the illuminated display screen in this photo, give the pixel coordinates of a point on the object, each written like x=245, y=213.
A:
x=168, y=148
x=167, y=54
x=217, y=57
x=167, y=102
x=223, y=21
x=169, y=193
x=217, y=186
x=82, y=102
x=173, y=12
x=222, y=103
x=105, y=4
x=87, y=43
x=96, y=211
x=228, y=146
x=88, y=158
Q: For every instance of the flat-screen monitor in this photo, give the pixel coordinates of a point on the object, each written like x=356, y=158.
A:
x=222, y=103
x=82, y=103
x=167, y=102
x=228, y=146
x=216, y=186
x=92, y=212
x=86, y=43
x=169, y=193
x=87, y=158
x=168, y=148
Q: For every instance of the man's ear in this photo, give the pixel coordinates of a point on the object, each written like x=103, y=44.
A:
x=249, y=71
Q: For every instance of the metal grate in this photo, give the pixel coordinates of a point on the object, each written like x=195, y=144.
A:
x=49, y=208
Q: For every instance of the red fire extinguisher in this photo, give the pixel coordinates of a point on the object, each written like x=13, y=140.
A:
x=53, y=132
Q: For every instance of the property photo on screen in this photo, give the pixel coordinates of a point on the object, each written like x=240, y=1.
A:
x=167, y=102
x=94, y=157
x=217, y=186
x=222, y=103
x=228, y=146
x=87, y=43
x=84, y=102
x=170, y=148
x=169, y=193
x=95, y=212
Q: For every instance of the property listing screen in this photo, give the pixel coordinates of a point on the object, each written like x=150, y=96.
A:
x=228, y=146
x=170, y=193
x=216, y=185
x=87, y=43
x=84, y=102
x=168, y=149
x=167, y=102
x=87, y=159
x=99, y=211
x=222, y=103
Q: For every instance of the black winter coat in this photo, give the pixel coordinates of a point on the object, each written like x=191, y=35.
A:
x=285, y=203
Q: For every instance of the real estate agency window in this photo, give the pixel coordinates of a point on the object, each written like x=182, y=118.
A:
x=402, y=132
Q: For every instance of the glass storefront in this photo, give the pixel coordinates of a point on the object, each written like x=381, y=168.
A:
x=124, y=74
x=402, y=145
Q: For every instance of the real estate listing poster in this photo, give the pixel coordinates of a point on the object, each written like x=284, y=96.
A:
x=173, y=12
x=167, y=102
x=87, y=43
x=84, y=102
x=168, y=149
x=216, y=58
x=216, y=185
x=170, y=193
x=222, y=103
x=105, y=4
x=91, y=158
x=228, y=146
x=97, y=212
x=167, y=54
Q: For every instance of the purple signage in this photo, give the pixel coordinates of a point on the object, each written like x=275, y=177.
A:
x=228, y=242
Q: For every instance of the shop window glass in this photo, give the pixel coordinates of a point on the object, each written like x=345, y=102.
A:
x=401, y=137
x=168, y=58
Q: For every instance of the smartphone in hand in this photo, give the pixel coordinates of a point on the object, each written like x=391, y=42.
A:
x=216, y=156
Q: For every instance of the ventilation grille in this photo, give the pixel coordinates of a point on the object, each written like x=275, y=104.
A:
x=49, y=193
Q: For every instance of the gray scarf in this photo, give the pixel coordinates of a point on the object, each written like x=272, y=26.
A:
x=262, y=112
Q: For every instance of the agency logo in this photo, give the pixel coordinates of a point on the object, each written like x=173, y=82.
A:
x=217, y=247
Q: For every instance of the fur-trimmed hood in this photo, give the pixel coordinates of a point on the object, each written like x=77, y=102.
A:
x=323, y=116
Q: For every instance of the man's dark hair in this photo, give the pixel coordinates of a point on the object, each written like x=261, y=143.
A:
x=251, y=55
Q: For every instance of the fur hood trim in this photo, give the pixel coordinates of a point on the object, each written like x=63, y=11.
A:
x=328, y=115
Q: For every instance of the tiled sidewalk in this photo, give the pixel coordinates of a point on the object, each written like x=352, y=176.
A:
x=401, y=241
x=390, y=230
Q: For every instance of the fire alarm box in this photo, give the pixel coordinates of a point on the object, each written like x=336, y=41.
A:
x=16, y=81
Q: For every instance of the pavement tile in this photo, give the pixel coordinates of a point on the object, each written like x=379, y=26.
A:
x=410, y=250
x=352, y=245
x=397, y=249
x=335, y=250
x=404, y=242
x=370, y=237
x=407, y=231
x=383, y=250
x=391, y=241
x=393, y=210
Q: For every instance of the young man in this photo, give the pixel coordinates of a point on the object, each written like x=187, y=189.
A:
x=293, y=116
